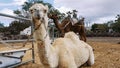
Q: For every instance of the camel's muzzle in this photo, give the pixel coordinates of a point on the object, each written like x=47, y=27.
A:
x=37, y=14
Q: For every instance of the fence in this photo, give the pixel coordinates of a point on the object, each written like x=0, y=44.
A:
x=26, y=19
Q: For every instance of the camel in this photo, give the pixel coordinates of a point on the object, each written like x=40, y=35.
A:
x=67, y=52
x=62, y=27
x=66, y=26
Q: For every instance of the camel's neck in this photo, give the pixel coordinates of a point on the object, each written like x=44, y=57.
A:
x=44, y=48
x=58, y=25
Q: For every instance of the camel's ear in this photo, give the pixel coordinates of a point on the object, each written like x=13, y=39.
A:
x=46, y=8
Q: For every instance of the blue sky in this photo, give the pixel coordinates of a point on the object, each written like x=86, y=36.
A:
x=94, y=11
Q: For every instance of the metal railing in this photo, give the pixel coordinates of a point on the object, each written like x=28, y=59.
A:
x=26, y=19
x=17, y=41
x=15, y=17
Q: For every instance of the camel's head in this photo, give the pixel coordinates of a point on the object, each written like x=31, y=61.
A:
x=38, y=11
x=53, y=16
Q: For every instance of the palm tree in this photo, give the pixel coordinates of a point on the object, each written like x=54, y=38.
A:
x=75, y=14
x=17, y=12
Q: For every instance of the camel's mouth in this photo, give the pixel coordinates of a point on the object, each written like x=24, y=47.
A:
x=37, y=16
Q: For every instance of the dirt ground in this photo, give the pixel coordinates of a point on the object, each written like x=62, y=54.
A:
x=106, y=50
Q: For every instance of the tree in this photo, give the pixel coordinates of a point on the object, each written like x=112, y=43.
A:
x=75, y=14
x=56, y=12
x=16, y=26
x=62, y=15
x=1, y=25
x=116, y=25
x=17, y=12
x=94, y=26
x=100, y=27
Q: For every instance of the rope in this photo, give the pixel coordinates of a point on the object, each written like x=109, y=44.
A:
x=66, y=25
x=31, y=35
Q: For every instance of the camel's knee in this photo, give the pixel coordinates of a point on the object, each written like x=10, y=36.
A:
x=67, y=61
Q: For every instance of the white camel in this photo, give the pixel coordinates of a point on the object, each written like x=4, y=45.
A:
x=67, y=52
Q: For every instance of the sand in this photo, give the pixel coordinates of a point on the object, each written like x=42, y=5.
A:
x=106, y=50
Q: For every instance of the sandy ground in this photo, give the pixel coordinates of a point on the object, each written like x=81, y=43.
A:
x=106, y=50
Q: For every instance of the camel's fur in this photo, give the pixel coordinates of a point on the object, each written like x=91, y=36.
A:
x=67, y=52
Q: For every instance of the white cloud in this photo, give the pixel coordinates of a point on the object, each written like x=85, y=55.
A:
x=6, y=20
x=64, y=9
x=7, y=11
x=104, y=19
x=13, y=3
x=92, y=10
x=19, y=2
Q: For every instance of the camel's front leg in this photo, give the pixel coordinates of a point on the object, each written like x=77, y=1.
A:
x=41, y=53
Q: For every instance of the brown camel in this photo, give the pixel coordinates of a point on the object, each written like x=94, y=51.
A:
x=66, y=26
x=62, y=27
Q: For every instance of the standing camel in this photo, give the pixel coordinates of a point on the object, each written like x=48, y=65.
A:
x=66, y=26
x=67, y=52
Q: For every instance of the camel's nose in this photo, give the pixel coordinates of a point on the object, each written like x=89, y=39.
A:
x=38, y=14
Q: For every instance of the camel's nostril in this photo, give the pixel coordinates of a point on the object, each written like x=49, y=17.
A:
x=38, y=16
